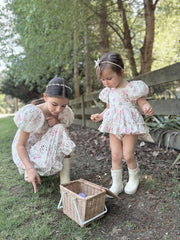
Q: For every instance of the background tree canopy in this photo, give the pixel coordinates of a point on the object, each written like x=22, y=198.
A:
x=63, y=38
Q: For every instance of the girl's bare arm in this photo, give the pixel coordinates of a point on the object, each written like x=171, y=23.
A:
x=145, y=106
x=21, y=149
x=99, y=116
x=33, y=176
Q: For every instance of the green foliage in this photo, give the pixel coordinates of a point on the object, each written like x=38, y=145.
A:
x=22, y=90
x=44, y=33
x=164, y=122
x=166, y=45
x=45, y=37
x=7, y=104
x=163, y=125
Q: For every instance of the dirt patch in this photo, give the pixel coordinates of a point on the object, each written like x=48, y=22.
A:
x=153, y=212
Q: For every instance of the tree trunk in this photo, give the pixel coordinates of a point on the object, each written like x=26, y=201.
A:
x=76, y=70
x=147, y=48
x=127, y=38
x=104, y=36
x=87, y=62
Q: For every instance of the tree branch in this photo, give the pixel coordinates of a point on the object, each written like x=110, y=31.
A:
x=156, y=3
x=116, y=31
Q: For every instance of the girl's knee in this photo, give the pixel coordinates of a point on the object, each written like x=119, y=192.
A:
x=116, y=156
x=128, y=157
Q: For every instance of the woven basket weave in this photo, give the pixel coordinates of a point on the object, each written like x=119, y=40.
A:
x=88, y=208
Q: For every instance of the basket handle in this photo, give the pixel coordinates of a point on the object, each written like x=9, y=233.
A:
x=59, y=204
x=77, y=211
x=89, y=220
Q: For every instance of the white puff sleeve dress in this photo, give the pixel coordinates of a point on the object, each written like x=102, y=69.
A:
x=122, y=117
x=46, y=146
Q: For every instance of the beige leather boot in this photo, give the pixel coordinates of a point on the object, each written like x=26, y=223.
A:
x=133, y=183
x=65, y=172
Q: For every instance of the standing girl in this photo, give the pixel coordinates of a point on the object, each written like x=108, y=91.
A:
x=121, y=119
x=41, y=145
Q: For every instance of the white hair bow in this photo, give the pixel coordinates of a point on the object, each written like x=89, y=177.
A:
x=97, y=62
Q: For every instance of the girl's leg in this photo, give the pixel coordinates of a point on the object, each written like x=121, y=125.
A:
x=116, y=152
x=129, y=144
x=116, y=171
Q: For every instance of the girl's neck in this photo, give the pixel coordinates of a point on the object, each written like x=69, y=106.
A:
x=122, y=84
x=44, y=109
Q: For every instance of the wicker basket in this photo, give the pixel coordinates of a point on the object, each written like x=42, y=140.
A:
x=82, y=210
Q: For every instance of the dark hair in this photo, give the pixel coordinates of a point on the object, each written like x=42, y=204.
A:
x=57, y=87
x=111, y=59
x=37, y=101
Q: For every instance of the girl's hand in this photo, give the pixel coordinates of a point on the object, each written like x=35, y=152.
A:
x=52, y=121
x=33, y=177
x=96, y=117
x=147, y=109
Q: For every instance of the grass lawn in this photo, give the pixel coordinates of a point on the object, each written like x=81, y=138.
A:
x=25, y=215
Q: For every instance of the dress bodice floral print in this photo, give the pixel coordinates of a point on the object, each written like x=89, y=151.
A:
x=46, y=146
x=122, y=117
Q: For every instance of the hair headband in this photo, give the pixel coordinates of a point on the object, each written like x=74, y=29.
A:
x=58, y=84
x=99, y=61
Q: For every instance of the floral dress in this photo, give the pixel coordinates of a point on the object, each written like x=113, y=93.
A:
x=122, y=117
x=46, y=146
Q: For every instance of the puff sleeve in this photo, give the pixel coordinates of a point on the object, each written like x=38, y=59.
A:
x=67, y=116
x=29, y=118
x=104, y=95
x=137, y=89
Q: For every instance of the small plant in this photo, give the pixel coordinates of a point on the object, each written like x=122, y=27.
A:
x=163, y=122
x=163, y=125
x=174, y=180
x=164, y=208
x=152, y=182
x=176, y=192
x=176, y=160
x=131, y=225
x=166, y=238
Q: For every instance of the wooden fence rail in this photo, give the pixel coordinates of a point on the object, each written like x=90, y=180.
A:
x=158, y=81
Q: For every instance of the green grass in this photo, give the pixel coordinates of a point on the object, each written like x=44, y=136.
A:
x=25, y=215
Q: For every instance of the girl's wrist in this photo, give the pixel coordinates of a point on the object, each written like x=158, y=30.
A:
x=101, y=116
x=30, y=168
